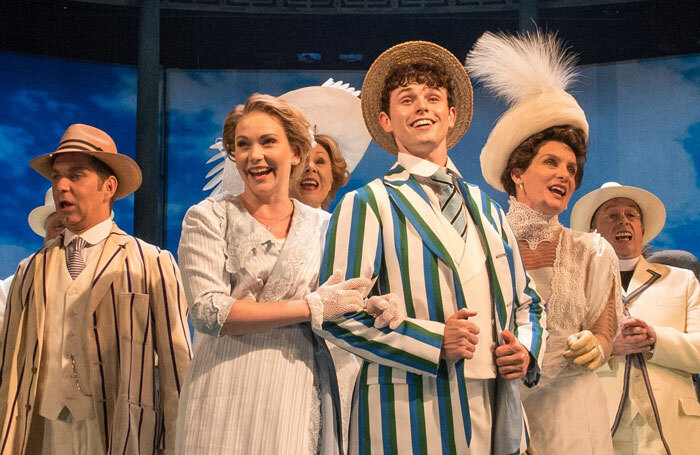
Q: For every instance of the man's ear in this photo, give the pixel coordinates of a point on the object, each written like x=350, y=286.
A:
x=452, y=117
x=385, y=122
x=109, y=187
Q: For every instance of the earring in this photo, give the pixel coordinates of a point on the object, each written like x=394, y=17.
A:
x=520, y=185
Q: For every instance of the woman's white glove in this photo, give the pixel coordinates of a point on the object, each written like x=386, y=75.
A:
x=584, y=349
x=387, y=310
x=336, y=297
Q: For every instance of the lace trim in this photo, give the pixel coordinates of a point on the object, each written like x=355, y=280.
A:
x=530, y=225
x=569, y=308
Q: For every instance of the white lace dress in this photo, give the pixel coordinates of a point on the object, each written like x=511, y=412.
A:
x=567, y=410
x=255, y=393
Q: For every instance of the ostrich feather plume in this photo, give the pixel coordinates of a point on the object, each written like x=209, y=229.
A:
x=514, y=67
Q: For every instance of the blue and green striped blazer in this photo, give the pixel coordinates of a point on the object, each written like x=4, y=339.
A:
x=383, y=231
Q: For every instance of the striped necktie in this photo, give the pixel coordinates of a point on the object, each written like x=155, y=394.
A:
x=451, y=203
x=76, y=261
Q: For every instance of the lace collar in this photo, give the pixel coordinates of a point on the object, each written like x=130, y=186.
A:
x=530, y=225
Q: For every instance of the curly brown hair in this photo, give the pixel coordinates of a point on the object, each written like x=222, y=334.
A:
x=339, y=167
x=416, y=73
x=295, y=126
x=522, y=156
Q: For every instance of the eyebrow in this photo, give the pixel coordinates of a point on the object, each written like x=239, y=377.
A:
x=551, y=155
x=404, y=90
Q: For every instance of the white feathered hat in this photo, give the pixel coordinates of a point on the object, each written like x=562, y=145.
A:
x=531, y=72
x=333, y=109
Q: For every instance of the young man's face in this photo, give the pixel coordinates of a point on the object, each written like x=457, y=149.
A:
x=419, y=118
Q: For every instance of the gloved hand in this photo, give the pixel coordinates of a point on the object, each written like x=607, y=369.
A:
x=335, y=297
x=387, y=310
x=584, y=349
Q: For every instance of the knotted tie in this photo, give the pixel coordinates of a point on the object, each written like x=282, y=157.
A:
x=76, y=262
x=451, y=203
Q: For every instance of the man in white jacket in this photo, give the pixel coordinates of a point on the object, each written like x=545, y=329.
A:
x=660, y=332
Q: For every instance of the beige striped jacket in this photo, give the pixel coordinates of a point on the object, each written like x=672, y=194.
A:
x=137, y=337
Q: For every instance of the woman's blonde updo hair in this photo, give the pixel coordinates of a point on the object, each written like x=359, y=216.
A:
x=295, y=126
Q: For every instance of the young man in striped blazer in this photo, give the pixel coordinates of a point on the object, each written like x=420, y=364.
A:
x=440, y=252
x=89, y=317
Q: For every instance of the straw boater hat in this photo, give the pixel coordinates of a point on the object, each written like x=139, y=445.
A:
x=531, y=72
x=89, y=140
x=653, y=211
x=407, y=53
x=37, y=217
x=333, y=109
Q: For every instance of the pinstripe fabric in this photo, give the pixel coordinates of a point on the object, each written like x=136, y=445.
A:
x=383, y=231
x=136, y=318
x=76, y=261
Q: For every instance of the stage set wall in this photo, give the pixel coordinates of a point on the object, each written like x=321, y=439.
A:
x=643, y=114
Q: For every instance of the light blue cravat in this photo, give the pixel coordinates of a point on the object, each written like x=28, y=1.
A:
x=451, y=203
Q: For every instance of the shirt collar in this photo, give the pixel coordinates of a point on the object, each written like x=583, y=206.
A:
x=93, y=236
x=424, y=168
x=627, y=265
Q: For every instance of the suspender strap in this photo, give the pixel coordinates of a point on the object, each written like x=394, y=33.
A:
x=641, y=362
x=645, y=374
x=625, y=395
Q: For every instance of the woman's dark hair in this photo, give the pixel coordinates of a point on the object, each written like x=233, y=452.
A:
x=522, y=156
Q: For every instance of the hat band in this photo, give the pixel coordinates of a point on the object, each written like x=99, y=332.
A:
x=73, y=144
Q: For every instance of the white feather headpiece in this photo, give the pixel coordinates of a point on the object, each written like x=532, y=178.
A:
x=531, y=72
x=516, y=67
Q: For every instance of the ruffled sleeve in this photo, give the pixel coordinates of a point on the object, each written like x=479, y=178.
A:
x=202, y=260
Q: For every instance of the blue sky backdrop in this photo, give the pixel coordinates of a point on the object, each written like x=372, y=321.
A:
x=644, y=118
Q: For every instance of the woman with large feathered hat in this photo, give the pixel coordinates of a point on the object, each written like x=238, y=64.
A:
x=536, y=153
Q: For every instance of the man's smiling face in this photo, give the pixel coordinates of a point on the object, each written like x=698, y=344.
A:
x=419, y=118
x=619, y=221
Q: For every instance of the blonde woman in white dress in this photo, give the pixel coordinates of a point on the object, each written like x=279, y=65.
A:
x=536, y=153
x=260, y=381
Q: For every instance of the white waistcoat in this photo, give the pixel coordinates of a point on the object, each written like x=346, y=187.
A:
x=470, y=258
x=64, y=355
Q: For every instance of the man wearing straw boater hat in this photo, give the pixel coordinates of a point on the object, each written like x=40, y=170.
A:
x=466, y=325
x=88, y=317
x=648, y=381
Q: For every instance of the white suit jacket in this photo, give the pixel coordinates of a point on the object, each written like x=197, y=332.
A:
x=672, y=306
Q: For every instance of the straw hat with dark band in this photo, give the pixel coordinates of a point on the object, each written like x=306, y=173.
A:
x=89, y=140
x=408, y=53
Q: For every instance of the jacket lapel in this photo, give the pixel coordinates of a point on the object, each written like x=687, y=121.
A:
x=108, y=266
x=410, y=199
x=643, y=272
x=498, y=254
